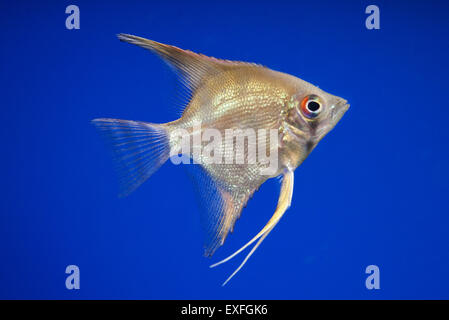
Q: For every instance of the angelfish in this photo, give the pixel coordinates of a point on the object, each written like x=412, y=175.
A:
x=223, y=95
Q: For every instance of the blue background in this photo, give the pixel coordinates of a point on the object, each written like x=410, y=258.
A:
x=375, y=191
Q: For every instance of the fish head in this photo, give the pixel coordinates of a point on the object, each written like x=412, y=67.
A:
x=334, y=108
x=316, y=112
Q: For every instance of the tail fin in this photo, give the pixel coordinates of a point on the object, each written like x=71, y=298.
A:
x=139, y=147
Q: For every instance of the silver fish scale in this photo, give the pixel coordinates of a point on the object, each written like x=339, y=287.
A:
x=247, y=100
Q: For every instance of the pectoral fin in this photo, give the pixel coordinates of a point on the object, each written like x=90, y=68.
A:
x=284, y=202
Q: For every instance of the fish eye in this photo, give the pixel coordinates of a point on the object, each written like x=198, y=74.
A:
x=311, y=106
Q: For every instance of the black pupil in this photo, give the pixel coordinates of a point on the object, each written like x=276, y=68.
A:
x=313, y=106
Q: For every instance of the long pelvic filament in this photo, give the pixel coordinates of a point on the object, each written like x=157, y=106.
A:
x=285, y=198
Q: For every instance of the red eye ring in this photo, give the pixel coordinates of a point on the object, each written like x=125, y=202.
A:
x=311, y=106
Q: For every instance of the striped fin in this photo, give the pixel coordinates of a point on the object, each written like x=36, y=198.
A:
x=140, y=149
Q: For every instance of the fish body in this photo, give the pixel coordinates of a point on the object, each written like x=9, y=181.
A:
x=227, y=95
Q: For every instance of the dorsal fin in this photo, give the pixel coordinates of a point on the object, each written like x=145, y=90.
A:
x=192, y=67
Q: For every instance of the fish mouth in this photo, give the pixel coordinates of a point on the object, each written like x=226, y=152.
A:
x=337, y=111
x=341, y=107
